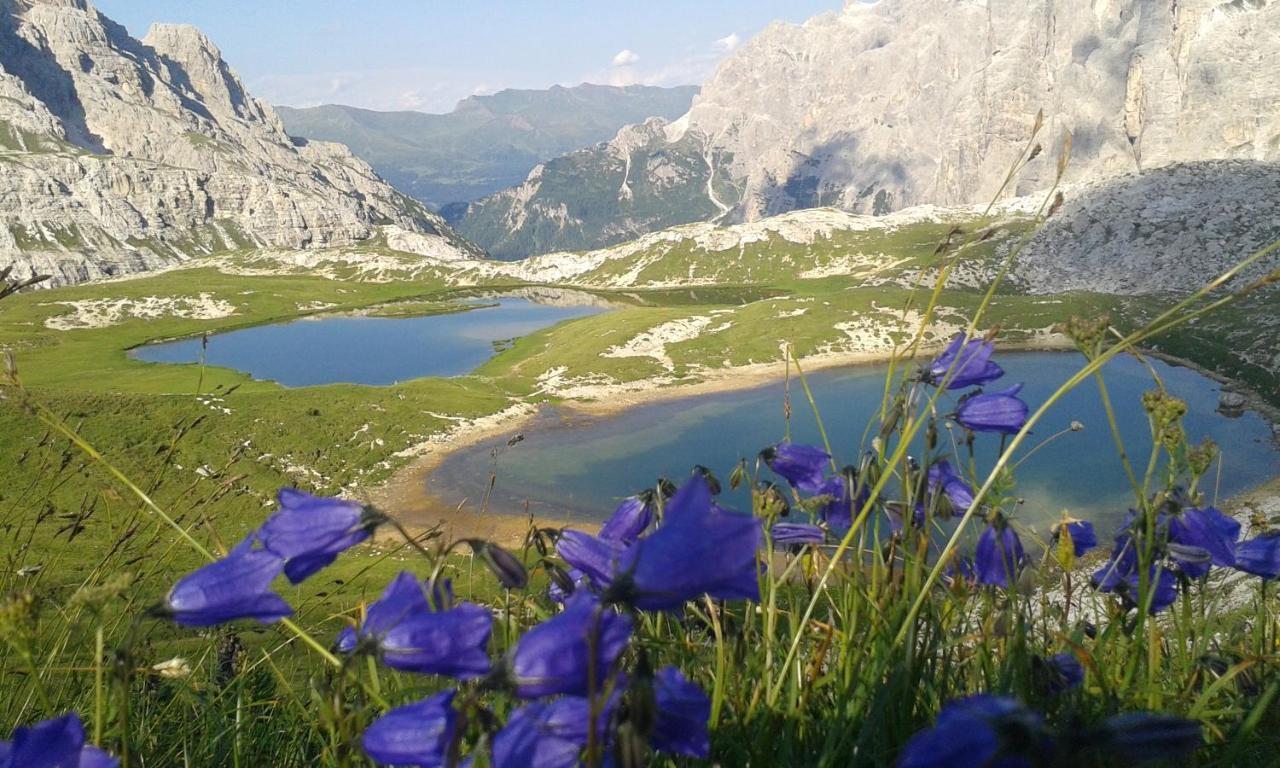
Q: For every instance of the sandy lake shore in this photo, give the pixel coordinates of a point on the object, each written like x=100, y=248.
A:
x=406, y=497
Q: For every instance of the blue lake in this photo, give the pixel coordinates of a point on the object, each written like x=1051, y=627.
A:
x=571, y=466
x=369, y=350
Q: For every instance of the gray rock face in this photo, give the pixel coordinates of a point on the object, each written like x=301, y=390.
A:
x=637, y=183
x=931, y=101
x=906, y=102
x=119, y=155
x=1169, y=230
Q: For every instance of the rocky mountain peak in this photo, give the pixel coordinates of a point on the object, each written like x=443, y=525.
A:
x=198, y=65
x=134, y=154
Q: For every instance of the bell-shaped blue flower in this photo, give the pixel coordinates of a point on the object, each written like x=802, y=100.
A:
x=55, y=743
x=999, y=558
x=452, y=642
x=552, y=734
x=796, y=534
x=1147, y=736
x=594, y=556
x=402, y=599
x=632, y=518
x=1162, y=583
x=1001, y=411
x=531, y=739
x=555, y=656
x=1209, y=530
x=1260, y=556
x=1083, y=536
x=969, y=362
x=1123, y=561
x=420, y=734
x=699, y=550
x=234, y=587
x=803, y=466
x=982, y=731
x=1063, y=672
x=840, y=506
x=309, y=532
x=683, y=714
x=943, y=476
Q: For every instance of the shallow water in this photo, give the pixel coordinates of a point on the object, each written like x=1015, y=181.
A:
x=574, y=467
x=370, y=350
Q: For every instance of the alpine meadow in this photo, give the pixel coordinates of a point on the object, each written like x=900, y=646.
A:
x=886, y=383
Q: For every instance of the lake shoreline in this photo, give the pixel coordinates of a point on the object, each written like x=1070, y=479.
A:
x=405, y=493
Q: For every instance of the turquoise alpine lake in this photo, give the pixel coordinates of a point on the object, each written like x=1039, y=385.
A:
x=371, y=350
x=571, y=467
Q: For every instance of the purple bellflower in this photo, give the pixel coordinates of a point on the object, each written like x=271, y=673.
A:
x=309, y=532
x=550, y=734
x=968, y=361
x=841, y=506
x=412, y=635
x=1147, y=736
x=943, y=476
x=1207, y=530
x=977, y=732
x=1001, y=411
x=234, y=587
x=420, y=734
x=1083, y=536
x=1162, y=582
x=700, y=549
x=594, y=556
x=796, y=534
x=531, y=739
x=55, y=743
x=1260, y=556
x=632, y=517
x=1063, y=672
x=999, y=558
x=801, y=465
x=403, y=598
x=453, y=642
x=683, y=713
x=555, y=656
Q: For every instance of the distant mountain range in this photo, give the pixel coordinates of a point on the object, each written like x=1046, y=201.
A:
x=487, y=143
x=120, y=155
x=906, y=102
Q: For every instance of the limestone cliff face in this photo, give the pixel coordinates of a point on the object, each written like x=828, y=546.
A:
x=931, y=101
x=906, y=102
x=119, y=155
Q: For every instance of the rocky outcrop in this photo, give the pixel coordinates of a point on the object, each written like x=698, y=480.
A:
x=119, y=155
x=1169, y=230
x=636, y=183
x=904, y=102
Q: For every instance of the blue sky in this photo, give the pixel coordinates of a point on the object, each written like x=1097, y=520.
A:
x=428, y=54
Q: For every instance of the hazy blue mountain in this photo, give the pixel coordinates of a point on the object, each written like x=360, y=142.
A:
x=487, y=143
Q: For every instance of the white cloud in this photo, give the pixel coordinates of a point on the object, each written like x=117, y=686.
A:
x=728, y=42
x=626, y=58
x=694, y=67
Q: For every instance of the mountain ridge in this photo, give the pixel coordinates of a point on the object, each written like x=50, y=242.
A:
x=488, y=142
